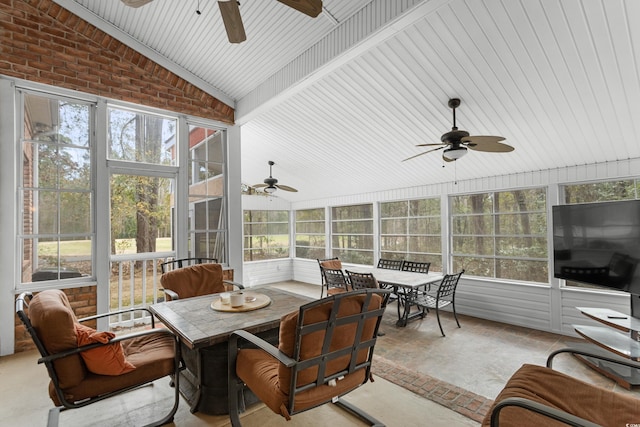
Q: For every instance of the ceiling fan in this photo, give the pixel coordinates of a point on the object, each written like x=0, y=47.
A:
x=233, y=21
x=271, y=184
x=456, y=142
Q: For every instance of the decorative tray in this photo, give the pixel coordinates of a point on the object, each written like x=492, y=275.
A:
x=252, y=301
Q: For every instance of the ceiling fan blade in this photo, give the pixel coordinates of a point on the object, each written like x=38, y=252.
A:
x=430, y=145
x=259, y=185
x=487, y=145
x=310, y=8
x=232, y=21
x=482, y=139
x=435, y=149
x=286, y=188
x=136, y=3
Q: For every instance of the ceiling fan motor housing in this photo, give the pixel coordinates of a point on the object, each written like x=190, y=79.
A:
x=454, y=136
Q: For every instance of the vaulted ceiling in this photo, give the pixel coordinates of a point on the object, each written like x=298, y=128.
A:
x=337, y=102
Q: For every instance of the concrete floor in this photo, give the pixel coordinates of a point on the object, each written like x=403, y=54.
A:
x=479, y=357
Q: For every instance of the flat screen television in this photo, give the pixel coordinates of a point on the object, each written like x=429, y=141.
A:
x=599, y=243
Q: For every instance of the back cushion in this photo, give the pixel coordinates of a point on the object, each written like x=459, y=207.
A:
x=343, y=337
x=53, y=320
x=195, y=280
x=334, y=264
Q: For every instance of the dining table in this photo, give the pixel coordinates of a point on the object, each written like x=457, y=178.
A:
x=405, y=284
x=203, y=325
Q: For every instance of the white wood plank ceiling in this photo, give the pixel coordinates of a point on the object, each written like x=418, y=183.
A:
x=558, y=79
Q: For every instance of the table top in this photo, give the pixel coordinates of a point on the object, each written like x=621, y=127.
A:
x=405, y=279
x=198, y=325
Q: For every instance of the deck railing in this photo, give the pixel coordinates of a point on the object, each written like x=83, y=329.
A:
x=135, y=283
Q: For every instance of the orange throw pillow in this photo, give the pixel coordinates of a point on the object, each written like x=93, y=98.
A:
x=107, y=360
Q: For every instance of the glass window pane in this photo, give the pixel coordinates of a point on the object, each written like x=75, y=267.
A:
x=393, y=226
x=141, y=209
x=138, y=137
x=75, y=213
x=393, y=209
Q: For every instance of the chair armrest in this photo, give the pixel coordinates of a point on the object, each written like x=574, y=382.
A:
x=630, y=363
x=232, y=283
x=174, y=296
x=261, y=344
x=539, y=408
x=113, y=313
x=78, y=350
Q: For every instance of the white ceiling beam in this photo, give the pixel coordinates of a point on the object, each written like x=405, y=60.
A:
x=374, y=23
x=145, y=50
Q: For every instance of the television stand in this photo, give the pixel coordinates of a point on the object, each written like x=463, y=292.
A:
x=613, y=340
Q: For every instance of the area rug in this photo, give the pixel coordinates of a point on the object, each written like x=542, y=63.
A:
x=457, y=399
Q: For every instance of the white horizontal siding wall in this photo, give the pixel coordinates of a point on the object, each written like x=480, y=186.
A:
x=544, y=307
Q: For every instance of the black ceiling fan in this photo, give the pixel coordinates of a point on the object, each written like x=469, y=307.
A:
x=271, y=184
x=456, y=142
x=232, y=19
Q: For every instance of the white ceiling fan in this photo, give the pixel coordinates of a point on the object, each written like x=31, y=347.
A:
x=232, y=19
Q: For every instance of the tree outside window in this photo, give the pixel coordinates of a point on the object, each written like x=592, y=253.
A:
x=501, y=234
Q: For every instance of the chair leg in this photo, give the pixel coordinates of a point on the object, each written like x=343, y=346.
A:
x=54, y=416
x=439, y=324
x=358, y=413
x=454, y=314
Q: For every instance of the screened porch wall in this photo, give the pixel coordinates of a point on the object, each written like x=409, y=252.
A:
x=543, y=307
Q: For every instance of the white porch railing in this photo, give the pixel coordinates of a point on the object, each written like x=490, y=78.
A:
x=135, y=283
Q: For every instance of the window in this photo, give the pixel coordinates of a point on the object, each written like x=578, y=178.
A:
x=141, y=137
x=606, y=191
x=410, y=229
x=501, y=235
x=56, y=191
x=207, y=209
x=310, y=233
x=266, y=235
x=352, y=233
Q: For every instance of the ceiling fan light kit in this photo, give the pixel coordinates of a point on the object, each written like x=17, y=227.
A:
x=457, y=142
x=454, y=153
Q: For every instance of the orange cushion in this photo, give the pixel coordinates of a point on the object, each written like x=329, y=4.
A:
x=312, y=343
x=561, y=391
x=334, y=264
x=53, y=319
x=107, y=360
x=195, y=280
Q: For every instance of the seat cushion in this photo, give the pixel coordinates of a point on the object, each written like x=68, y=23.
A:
x=555, y=389
x=259, y=371
x=53, y=320
x=106, y=360
x=195, y=280
x=152, y=355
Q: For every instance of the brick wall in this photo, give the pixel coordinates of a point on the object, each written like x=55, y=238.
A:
x=42, y=42
x=83, y=300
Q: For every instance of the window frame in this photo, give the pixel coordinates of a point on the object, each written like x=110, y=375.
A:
x=323, y=234
x=495, y=256
x=270, y=247
x=407, y=253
